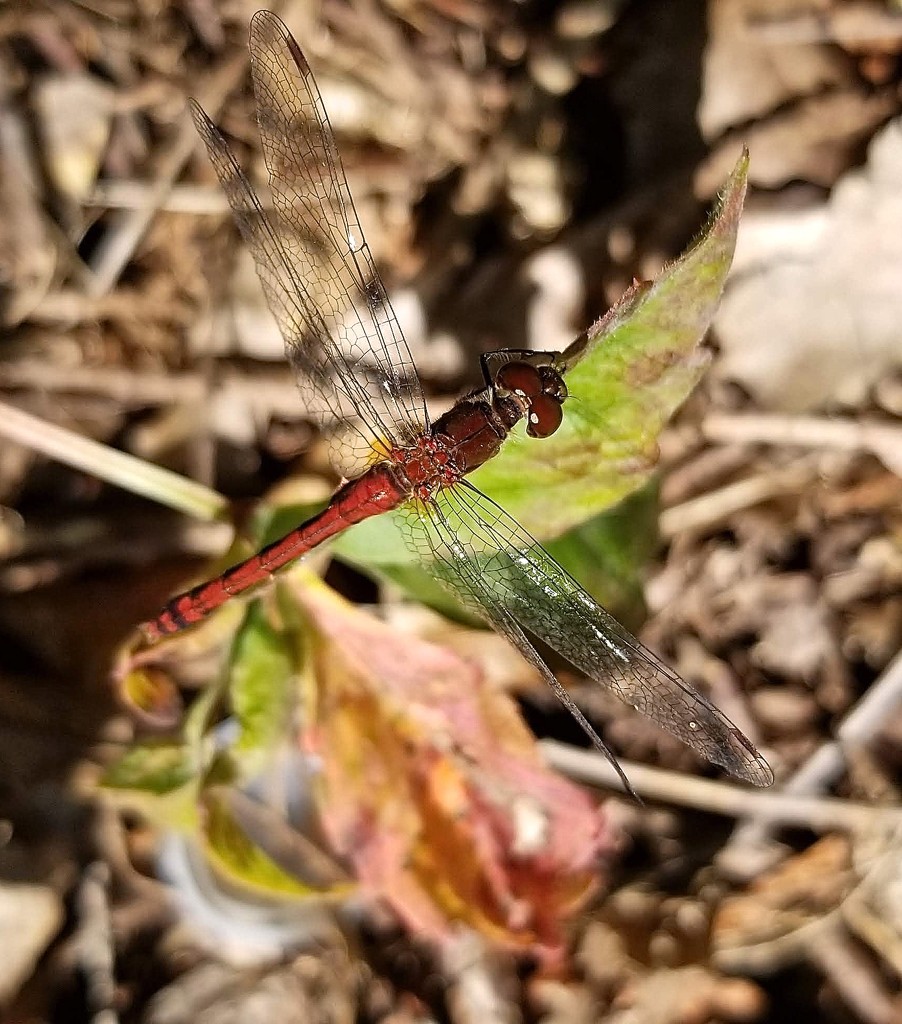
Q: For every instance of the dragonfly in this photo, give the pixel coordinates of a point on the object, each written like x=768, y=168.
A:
x=353, y=365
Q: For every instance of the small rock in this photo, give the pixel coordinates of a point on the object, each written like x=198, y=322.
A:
x=784, y=711
x=30, y=917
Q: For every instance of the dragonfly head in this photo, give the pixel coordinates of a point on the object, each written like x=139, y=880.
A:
x=538, y=392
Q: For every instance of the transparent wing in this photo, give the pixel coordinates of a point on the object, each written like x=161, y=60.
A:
x=342, y=337
x=328, y=251
x=485, y=557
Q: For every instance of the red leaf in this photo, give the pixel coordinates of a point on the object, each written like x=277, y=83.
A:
x=434, y=791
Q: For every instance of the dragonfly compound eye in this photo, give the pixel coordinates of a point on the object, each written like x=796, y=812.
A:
x=544, y=416
x=519, y=379
x=553, y=383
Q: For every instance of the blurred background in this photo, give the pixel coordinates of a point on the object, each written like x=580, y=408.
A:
x=515, y=166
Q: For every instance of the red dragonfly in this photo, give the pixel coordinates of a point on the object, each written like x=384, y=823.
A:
x=348, y=352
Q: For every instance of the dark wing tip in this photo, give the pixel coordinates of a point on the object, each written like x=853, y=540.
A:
x=759, y=772
x=702, y=726
x=269, y=32
x=747, y=763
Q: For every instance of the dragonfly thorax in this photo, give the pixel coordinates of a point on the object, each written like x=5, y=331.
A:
x=429, y=463
x=472, y=431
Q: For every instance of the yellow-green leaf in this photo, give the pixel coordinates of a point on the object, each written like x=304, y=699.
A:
x=262, y=686
x=237, y=857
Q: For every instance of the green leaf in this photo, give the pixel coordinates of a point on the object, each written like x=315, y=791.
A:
x=272, y=521
x=156, y=767
x=626, y=377
x=608, y=554
x=159, y=780
x=240, y=859
x=375, y=543
x=262, y=686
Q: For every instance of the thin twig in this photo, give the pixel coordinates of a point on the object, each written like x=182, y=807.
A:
x=858, y=728
x=123, y=386
x=713, y=508
x=827, y=763
x=198, y=200
x=115, y=467
x=266, y=394
x=854, y=25
x=821, y=814
x=856, y=979
x=95, y=943
x=879, y=437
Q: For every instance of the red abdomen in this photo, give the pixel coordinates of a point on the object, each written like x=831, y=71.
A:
x=378, y=490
